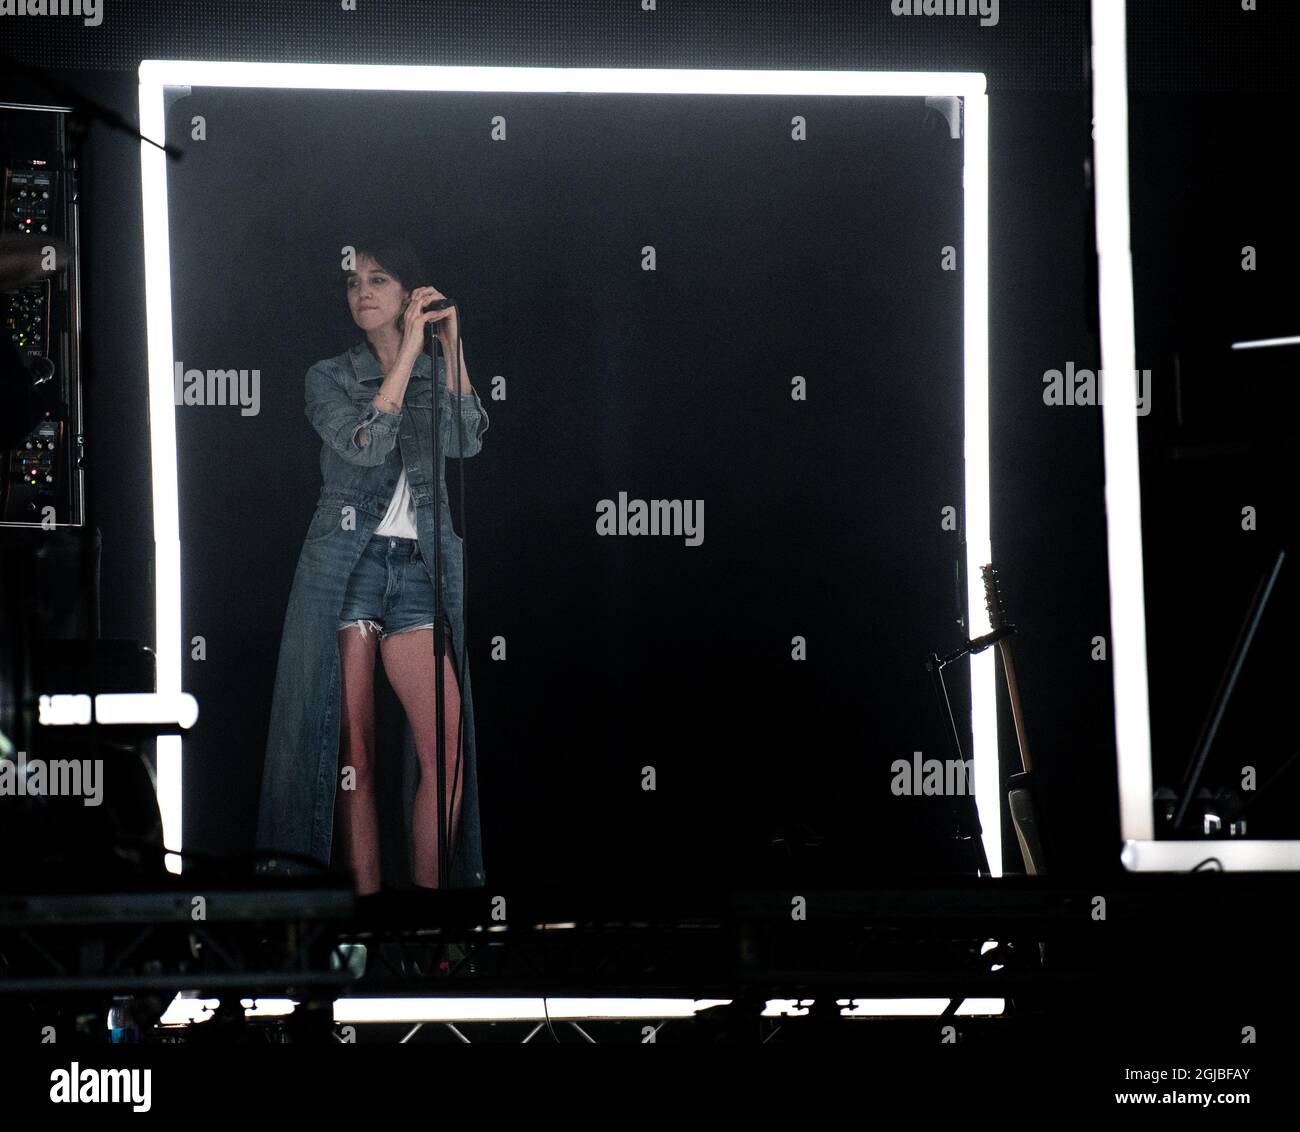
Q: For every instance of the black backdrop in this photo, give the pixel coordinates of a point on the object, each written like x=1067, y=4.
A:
x=821, y=518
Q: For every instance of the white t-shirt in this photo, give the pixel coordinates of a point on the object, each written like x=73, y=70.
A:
x=399, y=519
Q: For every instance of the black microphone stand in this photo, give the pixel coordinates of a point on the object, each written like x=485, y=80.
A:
x=439, y=644
x=1219, y=705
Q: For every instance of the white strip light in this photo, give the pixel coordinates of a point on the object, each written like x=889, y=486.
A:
x=63, y=709
x=888, y=1007
x=514, y=1009
x=157, y=75
x=1119, y=421
x=147, y=707
x=413, y=1010
x=162, y=451
x=1232, y=855
x=979, y=548
x=1260, y=343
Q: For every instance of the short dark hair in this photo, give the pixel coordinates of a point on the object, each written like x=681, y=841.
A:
x=395, y=256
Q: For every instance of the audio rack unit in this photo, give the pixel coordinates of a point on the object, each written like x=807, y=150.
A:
x=42, y=481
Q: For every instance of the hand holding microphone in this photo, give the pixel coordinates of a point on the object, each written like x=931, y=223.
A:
x=426, y=306
x=443, y=311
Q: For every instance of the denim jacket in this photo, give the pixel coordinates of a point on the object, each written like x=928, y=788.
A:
x=359, y=473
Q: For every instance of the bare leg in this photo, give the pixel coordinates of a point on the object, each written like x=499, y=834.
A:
x=409, y=664
x=356, y=819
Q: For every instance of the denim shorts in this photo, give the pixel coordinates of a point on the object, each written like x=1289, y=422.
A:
x=390, y=588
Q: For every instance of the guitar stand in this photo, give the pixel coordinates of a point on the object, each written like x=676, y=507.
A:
x=1019, y=796
x=965, y=815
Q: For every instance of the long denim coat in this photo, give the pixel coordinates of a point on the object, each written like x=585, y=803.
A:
x=301, y=771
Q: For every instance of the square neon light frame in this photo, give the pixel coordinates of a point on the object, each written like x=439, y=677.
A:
x=156, y=76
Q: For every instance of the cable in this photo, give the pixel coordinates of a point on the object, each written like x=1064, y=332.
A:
x=464, y=578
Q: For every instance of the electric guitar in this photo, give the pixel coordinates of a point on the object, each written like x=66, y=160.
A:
x=1020, y=787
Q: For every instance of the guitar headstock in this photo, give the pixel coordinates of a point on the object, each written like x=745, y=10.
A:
x=993, y=596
